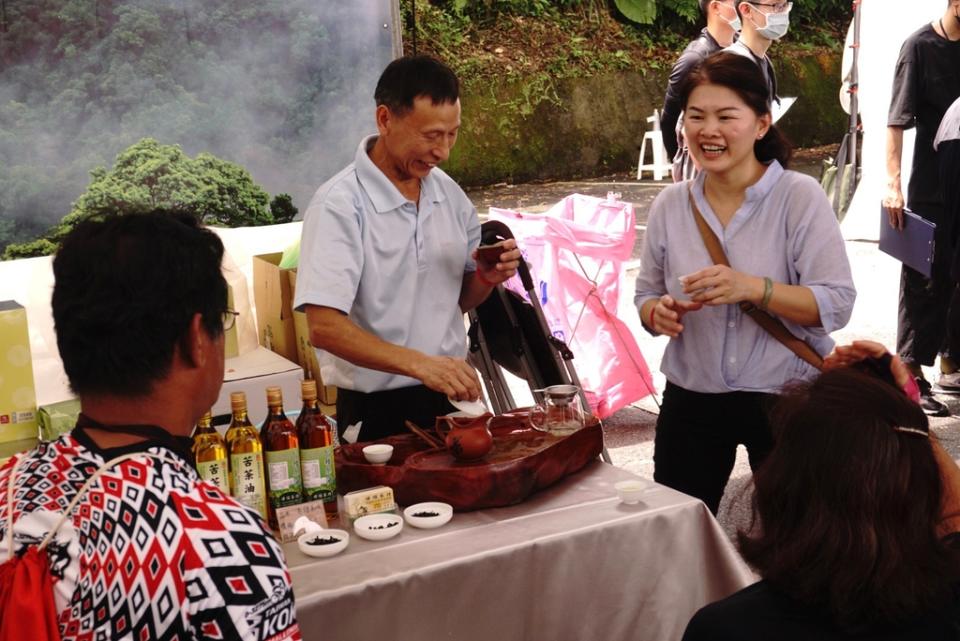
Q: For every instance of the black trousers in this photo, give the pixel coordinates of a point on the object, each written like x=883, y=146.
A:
x=383, y=413
x=697, y=437
x=929, y=308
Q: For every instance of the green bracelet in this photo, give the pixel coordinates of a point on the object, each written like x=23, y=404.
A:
x=767, y=292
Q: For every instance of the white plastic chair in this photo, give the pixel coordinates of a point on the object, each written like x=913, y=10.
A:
x=659, y=164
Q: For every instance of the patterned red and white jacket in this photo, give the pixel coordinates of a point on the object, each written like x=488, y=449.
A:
x=151, y=552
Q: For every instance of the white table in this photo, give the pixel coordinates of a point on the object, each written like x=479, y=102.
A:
x=570, y=563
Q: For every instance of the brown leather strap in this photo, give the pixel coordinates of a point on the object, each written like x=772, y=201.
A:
x=773, y=325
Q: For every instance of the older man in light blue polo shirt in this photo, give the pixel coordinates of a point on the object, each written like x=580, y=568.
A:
x=388, y=261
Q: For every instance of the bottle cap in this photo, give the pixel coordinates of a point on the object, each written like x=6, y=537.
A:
x=274, y=396
x=238, y=401
x=308, y=389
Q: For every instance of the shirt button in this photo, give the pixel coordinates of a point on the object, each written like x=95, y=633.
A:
x=733, y=359
x=731, y=324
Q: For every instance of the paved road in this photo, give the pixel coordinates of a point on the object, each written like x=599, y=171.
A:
x=630, y=432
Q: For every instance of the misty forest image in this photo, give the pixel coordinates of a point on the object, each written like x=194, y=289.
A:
x=238, y=109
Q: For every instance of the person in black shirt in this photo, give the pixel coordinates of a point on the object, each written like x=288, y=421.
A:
x=926, y=82
x=722, y=27
x=855, y=516
x=763, y=23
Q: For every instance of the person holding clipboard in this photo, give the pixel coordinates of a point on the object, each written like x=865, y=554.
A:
x=926, y=82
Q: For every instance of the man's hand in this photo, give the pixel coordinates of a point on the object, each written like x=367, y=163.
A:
x=496, y=273
x=893, y=201
x=721, y=285
x=667, y=314
x=450, y=376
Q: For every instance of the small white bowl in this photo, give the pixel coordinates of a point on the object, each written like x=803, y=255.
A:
x=378, y=453
x=439, y=514
x=631, y=491
x=378, y=527
x=310, y=545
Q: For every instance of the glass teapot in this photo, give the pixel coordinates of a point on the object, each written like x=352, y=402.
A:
x=561, y=412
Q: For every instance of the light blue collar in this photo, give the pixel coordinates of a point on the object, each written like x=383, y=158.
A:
x=382, y=192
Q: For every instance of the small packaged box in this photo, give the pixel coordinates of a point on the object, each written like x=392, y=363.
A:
x=372, y=500
x=57, y=419
x=18, y=400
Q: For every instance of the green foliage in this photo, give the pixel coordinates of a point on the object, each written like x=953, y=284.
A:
x=38, y=247
x=150, y=175
x=641, y=11
x=274, y=85
x=282, y=209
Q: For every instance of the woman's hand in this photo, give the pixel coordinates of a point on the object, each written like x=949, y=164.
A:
x=845, y=355
x=721, y=285
x=667, y=314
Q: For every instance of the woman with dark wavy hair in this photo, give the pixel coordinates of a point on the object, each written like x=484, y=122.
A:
x=855, y=526
x=786, y=256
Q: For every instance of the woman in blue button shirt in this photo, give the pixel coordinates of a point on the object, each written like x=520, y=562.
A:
x=786, y=255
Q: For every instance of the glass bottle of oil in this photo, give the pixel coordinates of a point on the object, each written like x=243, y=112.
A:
x=282, y=453
x=245, y=455
x=316, y=451
x=210, y=454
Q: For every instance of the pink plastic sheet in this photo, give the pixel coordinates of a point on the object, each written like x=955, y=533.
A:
x=576, y=251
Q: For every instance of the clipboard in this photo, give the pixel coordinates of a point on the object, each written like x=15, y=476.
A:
x=913, y=245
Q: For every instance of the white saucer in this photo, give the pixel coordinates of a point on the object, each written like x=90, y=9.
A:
x=443, y=513
x=378, y=527
x=327, y=548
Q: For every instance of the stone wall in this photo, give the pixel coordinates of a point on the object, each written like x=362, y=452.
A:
x=581, y=127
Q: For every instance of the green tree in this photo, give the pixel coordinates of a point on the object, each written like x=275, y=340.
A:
x=150, y=175
x=282, y=208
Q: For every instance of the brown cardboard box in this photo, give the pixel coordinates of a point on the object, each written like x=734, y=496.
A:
x=273, y=298
x=18, y=399
x=231, y=342
x=307, y=354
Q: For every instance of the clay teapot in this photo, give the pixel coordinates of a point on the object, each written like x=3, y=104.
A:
x=467, y=437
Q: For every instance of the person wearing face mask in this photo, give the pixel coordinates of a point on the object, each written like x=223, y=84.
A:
x=722, y=28
x=763, y=22
x=388, y=261
x=926, y=82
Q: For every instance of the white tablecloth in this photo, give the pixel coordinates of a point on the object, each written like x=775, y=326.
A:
x=570, y=563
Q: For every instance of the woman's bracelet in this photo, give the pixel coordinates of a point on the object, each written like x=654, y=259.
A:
x=767, y=293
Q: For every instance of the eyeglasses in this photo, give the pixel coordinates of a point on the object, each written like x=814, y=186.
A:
x=778, y=7
x=229, y=319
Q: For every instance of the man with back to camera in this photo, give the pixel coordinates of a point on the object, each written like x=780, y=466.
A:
x=387, y=261
x=151, y=551
x=926, y=82
x=763, y=23
x=723, y=24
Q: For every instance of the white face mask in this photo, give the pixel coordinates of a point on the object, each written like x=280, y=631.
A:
x=777, y=25
x=735, y=23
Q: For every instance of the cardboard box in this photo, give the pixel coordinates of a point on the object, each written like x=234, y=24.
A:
x=57, y=419
x=252, y=373
x=18, y=398
x=274, y=303
x=15, y=447
x=231, y=340
x=307, y=352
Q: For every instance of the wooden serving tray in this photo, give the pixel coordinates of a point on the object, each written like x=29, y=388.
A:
x=523, y=460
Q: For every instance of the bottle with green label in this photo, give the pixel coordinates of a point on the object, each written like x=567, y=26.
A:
x=316, y=451
x=210, y=454
x=245, y=456
x=282, y=454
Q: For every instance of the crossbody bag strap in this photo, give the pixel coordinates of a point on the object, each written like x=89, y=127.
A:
x=771, y=324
